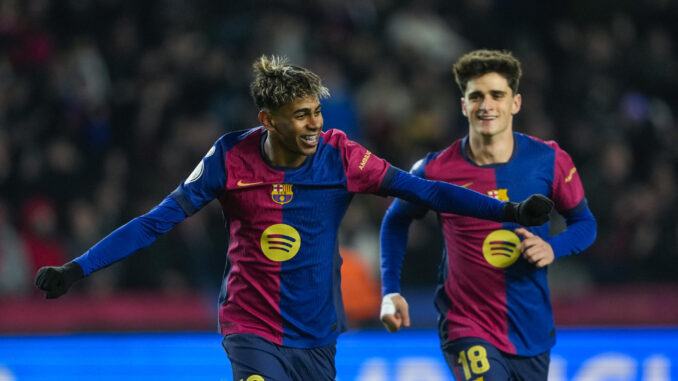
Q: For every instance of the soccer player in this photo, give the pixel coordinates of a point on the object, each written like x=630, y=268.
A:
x=284, y=188
x=495, y=319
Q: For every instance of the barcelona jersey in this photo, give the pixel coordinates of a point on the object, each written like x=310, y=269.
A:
x=486, y=288
x=282, y=278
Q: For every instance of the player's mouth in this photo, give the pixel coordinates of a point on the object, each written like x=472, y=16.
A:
x=311, y=140
x=487, y=117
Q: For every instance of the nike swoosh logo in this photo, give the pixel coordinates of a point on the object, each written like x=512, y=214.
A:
x=244, y=184
x=466, y=185
x=569, y=177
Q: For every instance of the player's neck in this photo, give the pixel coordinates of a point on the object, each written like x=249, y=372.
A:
x=485, y=150
x=279, y=156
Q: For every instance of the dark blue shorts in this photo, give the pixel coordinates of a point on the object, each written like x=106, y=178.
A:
x=254, y=358
x=476, y=359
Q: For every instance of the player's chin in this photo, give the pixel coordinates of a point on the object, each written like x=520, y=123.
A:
x=307, y=150
x=487, y=130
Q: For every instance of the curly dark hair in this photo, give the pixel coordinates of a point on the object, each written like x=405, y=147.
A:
x=483, y=61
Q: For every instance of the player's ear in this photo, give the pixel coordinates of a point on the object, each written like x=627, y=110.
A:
x=266, y=119
x=463, y=106
x=517, y=102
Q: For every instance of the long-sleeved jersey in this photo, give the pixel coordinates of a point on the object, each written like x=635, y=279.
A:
x=282, y=278
x=486, y=288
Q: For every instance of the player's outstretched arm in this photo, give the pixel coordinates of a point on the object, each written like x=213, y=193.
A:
x=136, y=234
x=449, y=198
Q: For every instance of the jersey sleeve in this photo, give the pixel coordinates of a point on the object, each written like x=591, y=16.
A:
x=134, y=235
x=444, y=197
x=205, y=183
x=580, y=232
x=567, y=191
x=365, y=172
x=568, y=196
x=394, y=233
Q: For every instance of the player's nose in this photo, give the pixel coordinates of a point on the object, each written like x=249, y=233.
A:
x=315, y=122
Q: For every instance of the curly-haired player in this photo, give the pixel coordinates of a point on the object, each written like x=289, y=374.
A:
x=495, y=319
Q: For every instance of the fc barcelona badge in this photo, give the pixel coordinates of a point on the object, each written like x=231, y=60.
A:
x=499, y=194
x=282, y=193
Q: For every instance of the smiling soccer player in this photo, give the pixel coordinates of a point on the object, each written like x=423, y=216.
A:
x=495, y=320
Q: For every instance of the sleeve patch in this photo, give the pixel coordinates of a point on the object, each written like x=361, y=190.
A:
x=200, y=168
x=197, y=172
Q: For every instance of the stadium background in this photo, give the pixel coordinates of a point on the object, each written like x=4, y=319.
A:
x=106, y=106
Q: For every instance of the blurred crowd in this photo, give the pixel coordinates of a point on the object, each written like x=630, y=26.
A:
x=106, y=106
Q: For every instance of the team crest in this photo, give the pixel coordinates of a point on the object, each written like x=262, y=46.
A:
x=282, y=193
x=499, y=194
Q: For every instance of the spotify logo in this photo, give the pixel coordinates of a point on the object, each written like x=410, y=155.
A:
x=280, y=242
x=501, y=248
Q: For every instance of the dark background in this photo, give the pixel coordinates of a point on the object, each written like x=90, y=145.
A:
x=106, y=106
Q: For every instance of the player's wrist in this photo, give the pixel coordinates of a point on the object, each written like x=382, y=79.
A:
x=387, y=306
x=510, y=212
x=72, y=273
x=533, y=211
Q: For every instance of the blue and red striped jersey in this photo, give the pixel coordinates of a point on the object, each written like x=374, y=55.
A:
x=282, y=280
x=486, y=288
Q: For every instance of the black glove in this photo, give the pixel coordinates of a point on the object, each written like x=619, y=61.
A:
x=531, y=212
x=57, y=280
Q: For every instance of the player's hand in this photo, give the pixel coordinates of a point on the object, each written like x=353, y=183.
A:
x=533, y=211
x=394, y=312
x=56, y=280
x=535, y=250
